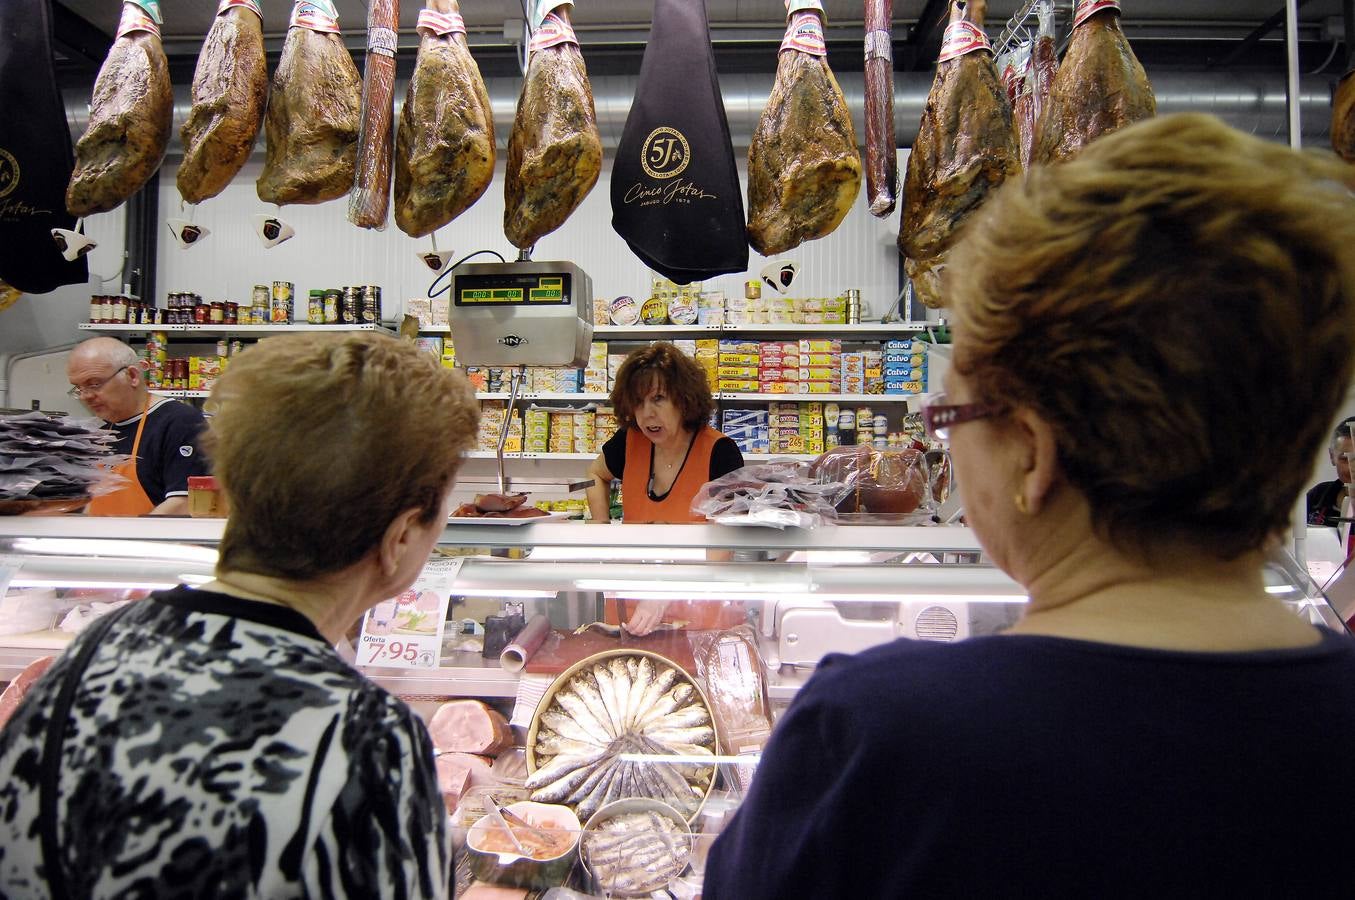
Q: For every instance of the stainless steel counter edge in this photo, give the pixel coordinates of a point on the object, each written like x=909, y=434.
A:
x=545, y=534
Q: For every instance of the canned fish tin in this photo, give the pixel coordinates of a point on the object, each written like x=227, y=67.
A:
x=371, y=304
x=352, y=304
x=282, y=302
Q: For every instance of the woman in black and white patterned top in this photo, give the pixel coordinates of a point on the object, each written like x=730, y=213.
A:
x=214, y=744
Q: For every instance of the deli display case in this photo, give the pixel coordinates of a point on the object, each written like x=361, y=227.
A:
x=527, y=660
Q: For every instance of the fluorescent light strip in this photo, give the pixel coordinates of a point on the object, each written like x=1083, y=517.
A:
x=83, y=583
x=149, y=550
x=502, y=592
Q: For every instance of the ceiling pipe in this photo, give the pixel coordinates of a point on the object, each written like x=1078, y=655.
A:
x=1252, y=102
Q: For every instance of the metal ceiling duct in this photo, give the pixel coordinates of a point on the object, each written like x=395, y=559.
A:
x=1252, y=102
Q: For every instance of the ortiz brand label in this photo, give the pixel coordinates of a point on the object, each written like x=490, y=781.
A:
x=250, y=5
x=960, y=38
x=1088, y=8
x=441, y=24
x=317, y=15
x=804, y=32
x=553, y=31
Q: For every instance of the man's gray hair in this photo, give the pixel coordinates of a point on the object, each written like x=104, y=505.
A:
x=1343, y=430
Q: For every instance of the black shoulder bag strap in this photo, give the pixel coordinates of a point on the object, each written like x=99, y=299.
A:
x=50, y=766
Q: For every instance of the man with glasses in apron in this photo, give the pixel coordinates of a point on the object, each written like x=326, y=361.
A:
x=159, y=435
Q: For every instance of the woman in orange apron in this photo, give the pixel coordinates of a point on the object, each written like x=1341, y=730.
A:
x=666, y=453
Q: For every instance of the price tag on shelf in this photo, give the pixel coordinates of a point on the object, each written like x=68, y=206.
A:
x=406, y=631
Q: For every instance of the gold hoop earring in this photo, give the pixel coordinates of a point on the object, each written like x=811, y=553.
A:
x=1022, y=506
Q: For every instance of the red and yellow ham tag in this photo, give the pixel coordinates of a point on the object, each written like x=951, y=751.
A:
x=960, y=38
x=441, y=24
x=804, y=32
x=250, y=5
x=317, y=15
x=554, y=30
x=134, y=18
x=1088, y=8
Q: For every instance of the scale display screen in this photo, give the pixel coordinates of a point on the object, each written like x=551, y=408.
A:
x=526, y=289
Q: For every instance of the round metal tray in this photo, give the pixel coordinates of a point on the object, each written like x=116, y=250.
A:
x=547, y=703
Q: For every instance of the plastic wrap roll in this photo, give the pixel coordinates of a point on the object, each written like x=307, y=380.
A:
x=514, y=657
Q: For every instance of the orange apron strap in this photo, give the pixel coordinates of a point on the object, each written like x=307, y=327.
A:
x=133, y=499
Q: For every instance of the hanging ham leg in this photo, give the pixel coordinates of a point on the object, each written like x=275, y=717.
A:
x=1343, y=118
x=230, y=87
x=312, y=124
x=130, y=117
x=1099, y=88
x=804, y=171
x=444, y=148
x=554, y=151
x=882, y=168
x=965, y=148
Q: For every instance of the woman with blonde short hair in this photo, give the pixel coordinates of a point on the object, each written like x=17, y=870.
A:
x=211, y=742
x=1151, y=343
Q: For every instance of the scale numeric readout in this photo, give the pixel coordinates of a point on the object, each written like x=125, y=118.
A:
x=512, y=290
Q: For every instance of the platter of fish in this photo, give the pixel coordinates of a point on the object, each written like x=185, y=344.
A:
x=635, y=847
x=601, y=718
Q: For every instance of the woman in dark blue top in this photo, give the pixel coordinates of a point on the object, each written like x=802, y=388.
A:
x=1158, y=723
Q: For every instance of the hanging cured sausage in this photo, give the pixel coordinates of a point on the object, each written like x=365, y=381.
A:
x=130, y=117
x=230, y=88
x=554, y=151
x=804, y=171
x=882, y=167
x=314, y=107
x=965, y=148
x=1099, y=88
x=444, y=147
x=370, y=200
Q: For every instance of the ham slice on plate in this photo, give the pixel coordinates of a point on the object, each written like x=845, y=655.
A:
x=9, y=700
x=459, y=771
x=469, y=726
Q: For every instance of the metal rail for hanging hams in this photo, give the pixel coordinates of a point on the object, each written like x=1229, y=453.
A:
x=1015, y=27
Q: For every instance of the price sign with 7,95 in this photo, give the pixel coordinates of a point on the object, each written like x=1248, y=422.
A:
x=406, y=631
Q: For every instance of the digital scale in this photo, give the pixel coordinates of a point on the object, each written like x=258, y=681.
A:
x=516, y=314
x=521, y=314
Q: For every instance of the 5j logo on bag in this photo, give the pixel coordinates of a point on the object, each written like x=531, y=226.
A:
x=9, y=172
x=665, y=153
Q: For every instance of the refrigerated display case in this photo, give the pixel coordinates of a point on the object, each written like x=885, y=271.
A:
x=802, y=594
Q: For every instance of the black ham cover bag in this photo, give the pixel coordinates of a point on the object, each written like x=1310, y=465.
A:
x=35, y=154
x=675, y=192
